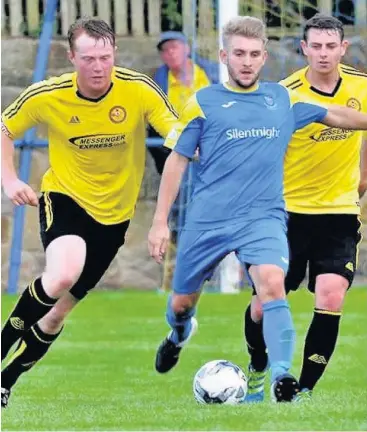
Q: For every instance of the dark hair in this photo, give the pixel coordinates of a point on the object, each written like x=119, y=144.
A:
x=323, y=22
x=93, y=27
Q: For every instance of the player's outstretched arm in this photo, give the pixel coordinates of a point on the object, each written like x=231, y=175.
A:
x=158, y=237
x=344, y=117
x=17, y=191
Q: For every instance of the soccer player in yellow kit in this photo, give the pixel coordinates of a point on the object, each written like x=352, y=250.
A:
x=321, y=184
x=96, y=118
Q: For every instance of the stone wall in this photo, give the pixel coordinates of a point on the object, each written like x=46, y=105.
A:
x=132, y=267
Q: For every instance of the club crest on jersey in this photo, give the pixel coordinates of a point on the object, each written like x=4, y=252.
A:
x=117, y=114
x=270, y=102
x=354, y=103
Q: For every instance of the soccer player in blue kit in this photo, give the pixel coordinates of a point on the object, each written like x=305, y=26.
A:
x=241, y=130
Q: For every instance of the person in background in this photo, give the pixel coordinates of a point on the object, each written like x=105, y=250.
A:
x=179, y=77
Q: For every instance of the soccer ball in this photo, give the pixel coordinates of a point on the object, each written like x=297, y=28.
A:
x=220, y=382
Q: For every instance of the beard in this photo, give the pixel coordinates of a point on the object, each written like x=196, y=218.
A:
x=238, y=81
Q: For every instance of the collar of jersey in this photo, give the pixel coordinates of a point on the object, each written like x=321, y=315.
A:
x=79, y=95
x=320, y=92
x=237, y=90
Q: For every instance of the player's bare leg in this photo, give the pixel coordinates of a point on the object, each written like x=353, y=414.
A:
x=65, y=258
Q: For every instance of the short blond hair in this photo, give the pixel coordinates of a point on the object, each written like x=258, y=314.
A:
x=246, y=26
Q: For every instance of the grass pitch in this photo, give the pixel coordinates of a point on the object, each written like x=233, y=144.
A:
x=100, y=374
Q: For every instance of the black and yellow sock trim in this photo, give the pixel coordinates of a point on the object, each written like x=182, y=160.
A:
x=34, y=332
x=37, y=291
x=327, y=312
x=32, y=347
x=44, y=337
x=18, y=352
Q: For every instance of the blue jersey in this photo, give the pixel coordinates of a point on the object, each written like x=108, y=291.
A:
x=242, y=137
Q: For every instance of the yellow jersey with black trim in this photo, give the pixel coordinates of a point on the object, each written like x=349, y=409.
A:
x=178, y=93
x=96, y=147
x=322, y=164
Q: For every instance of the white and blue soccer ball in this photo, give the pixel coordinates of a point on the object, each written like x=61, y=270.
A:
x=220, y=382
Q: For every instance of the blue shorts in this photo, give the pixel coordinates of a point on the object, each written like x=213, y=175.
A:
x=261, y=241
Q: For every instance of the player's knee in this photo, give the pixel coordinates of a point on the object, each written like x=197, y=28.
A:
x=331, y=301
x=273, y=286
x=330, y=292
x=56, y=284
x=65, y=259
x=183, y=303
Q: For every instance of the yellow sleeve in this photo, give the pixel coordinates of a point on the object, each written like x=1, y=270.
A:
x=284, y=82
x=185, y=136
x=159, y=112
x=26, y=111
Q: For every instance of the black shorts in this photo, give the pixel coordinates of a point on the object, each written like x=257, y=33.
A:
x=60, y=215
x=328, y=243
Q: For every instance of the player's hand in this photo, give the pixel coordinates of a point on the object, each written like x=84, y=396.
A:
x=158, y=238
x=20, y=193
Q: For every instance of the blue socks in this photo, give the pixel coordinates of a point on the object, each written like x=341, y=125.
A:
x=180, y=323
x=279, y=336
